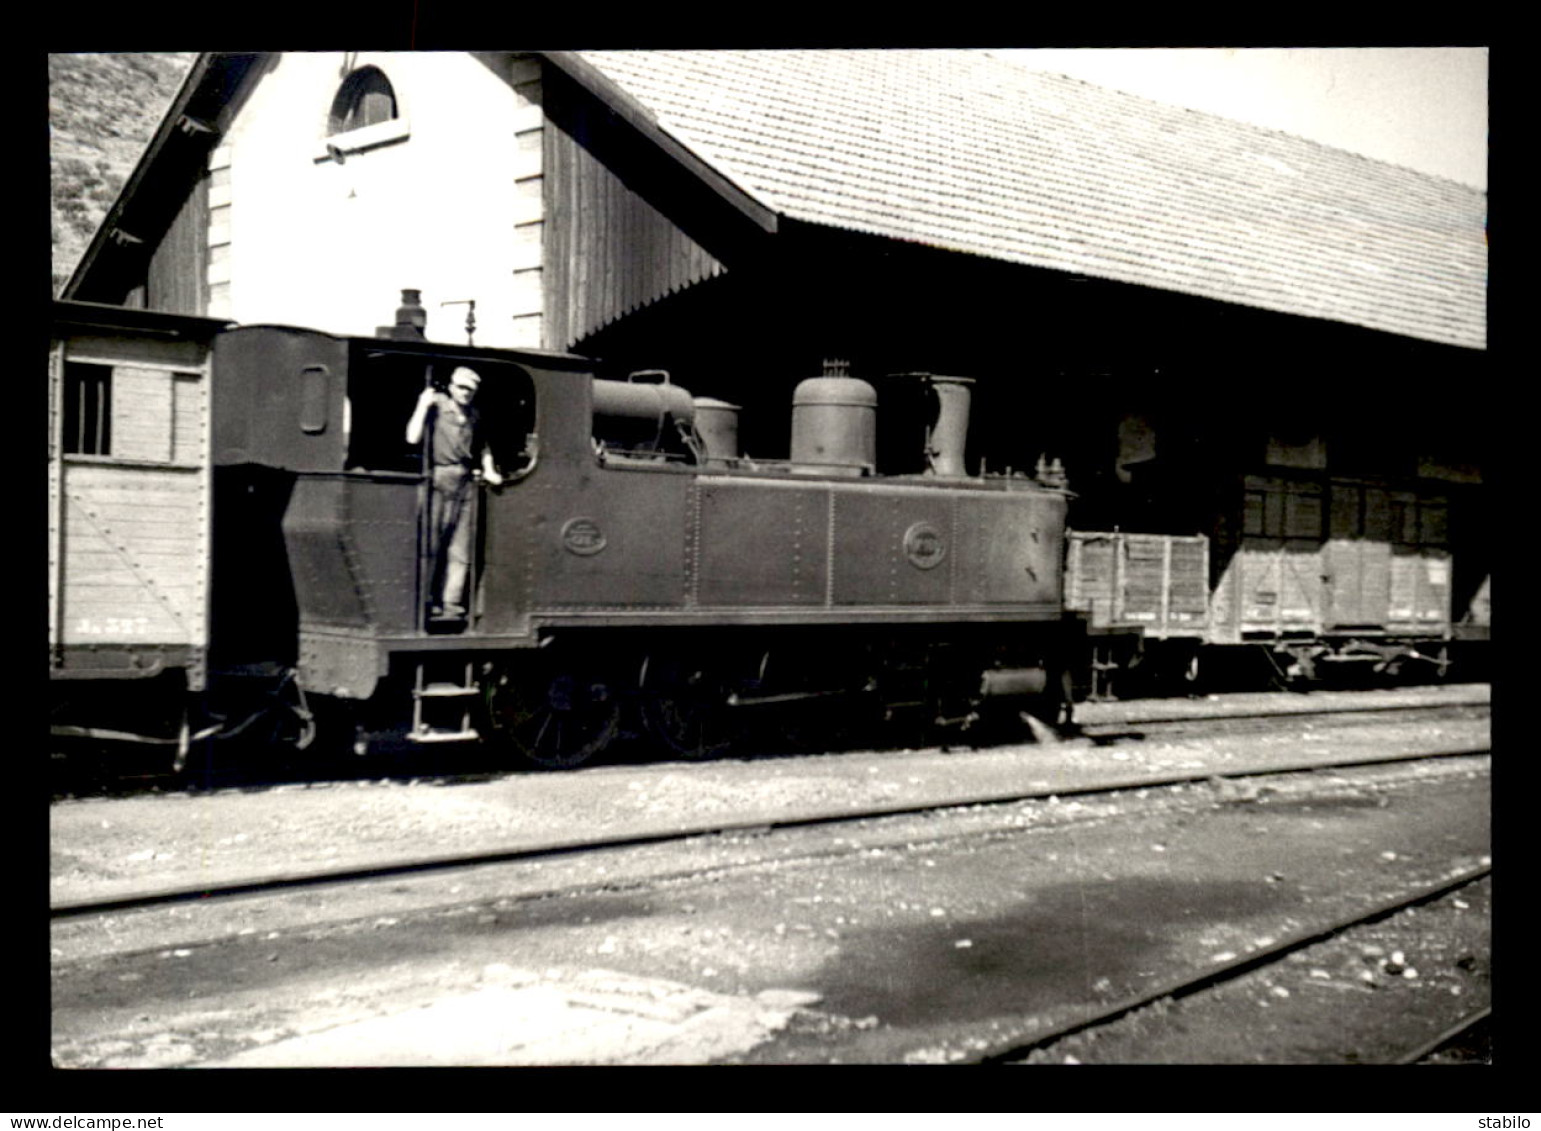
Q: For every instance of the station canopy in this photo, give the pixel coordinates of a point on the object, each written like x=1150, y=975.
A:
x=976, y=153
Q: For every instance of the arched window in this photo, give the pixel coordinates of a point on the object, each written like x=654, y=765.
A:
x=365, y=98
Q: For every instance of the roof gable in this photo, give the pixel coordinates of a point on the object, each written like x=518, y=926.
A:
x=965, y=151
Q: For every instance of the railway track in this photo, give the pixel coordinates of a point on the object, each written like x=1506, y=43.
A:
x=1464, y=1032
x=1244, y=722
x=1183, y=987
x=272, y=883
x=1157, y=719
x=968, y=818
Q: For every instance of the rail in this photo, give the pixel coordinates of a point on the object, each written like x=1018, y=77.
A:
x=1186, y=986
x=1447, y=1036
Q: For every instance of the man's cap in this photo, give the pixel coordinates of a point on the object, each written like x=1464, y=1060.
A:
x=467, y=377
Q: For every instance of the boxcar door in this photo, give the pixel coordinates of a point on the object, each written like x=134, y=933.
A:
x=1420, y=564
x=1358, y=556
x=1280, y=560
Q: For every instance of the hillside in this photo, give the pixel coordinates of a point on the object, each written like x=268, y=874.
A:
x=102, y=109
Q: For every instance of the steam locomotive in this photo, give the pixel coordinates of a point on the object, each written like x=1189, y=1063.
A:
x=239, y=549
x=239, y=546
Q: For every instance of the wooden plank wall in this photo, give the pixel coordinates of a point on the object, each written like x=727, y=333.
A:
x=141, y=413
x=134, y=555
x=177, y=278
x=608, y=251
x=55, y=486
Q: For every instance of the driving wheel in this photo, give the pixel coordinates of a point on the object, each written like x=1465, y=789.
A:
x=558, y=720
x=690, y=719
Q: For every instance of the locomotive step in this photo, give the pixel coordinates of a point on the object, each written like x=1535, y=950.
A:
x=443, y=690
x=428, y=734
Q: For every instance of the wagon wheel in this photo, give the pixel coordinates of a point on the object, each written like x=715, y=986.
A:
x=690, y=717
x=555, y=720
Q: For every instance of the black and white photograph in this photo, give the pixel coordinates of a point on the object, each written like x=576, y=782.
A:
x=892, y=556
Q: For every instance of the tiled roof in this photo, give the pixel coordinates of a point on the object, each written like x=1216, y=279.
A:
x=967, y=151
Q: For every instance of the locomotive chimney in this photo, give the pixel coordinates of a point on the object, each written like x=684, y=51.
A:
x=411, y=319
x=947, y=438
x=947, y=434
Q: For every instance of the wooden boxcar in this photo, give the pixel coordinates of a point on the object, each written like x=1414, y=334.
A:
x=1336, y=570
x=130, y=508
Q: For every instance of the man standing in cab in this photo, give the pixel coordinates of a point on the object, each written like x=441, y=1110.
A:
x=455, y=447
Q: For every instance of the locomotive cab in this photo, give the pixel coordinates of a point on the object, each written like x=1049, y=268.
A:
x=383, y=386
x=321, y=503
x=304, y=401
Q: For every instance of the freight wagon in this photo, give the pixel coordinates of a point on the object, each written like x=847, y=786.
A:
x=130, y=492
x=1314, y=575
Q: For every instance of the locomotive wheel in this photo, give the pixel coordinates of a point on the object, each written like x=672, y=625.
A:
x=558, y=721
x=690, y=721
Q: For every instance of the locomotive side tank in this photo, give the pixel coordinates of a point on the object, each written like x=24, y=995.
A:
x=849, y=577
x=621, y=541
